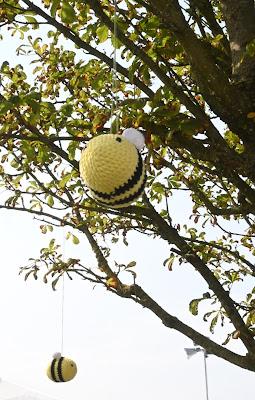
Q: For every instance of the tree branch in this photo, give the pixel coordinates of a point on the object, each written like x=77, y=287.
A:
x=40, y=213
x=172, y=236
x=240, y=20
x=206, y=9
x=235, y=254
x=208, y=74
x=172, y=322
x=177, y=90
x=212, y=80
x=69, y=34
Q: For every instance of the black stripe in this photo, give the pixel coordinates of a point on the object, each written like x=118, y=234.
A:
x=133, y=180
x=128, y=185
x=60, y=362
x=52, y=370
x=126, y=199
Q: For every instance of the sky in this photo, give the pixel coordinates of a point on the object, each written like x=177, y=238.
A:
x=122, y=350
x=119, y=347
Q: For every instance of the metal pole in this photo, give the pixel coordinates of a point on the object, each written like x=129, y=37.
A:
x=206, y=378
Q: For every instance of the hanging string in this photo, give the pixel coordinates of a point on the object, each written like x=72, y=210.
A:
x=62, y=313
x=114, y=107
x=62, y=299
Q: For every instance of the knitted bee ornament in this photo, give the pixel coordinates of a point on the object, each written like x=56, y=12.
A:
x=112, y=168
x=61, y=369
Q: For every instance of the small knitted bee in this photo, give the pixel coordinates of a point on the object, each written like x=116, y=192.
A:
x=61, y=369
x=112, y=168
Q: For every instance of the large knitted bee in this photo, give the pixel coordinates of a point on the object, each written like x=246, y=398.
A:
x=112, y=168
x=61, y=369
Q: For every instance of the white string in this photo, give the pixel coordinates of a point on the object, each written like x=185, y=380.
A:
x=62, y=298
x=62, y=313
x=114, y=106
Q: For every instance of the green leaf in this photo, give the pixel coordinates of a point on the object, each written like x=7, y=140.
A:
x=27, y=275
x=116, y=42
x=67, y=109
x=52, y=245
x=50, y=201
x=75, y=239
x=131, y=264
x=54, y=7
x=190, y=126
x=43, y=229
x=66, y=178
x=193, y=306
x=54, y=283
x=169, y=262
x=30, y=19
x=227, y=339
x=133, y=68
x=158, y=188
x=72, y=147
x=102, y=33
x=4, y=107
x=67, y=14
x=214, y=322
x=5, y=67
x=250, y=319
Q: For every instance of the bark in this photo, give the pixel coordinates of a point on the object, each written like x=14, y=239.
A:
x=171, y=235
x=172, y=322
x=176, y=89
x=205, y=8
x=212, y=80
x=240, y=21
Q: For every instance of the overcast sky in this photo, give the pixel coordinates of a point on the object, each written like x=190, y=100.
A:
x=122, y=351
x=120, y=348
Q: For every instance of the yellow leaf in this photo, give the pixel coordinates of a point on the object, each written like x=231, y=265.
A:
x=251, y=115
x=112, y=282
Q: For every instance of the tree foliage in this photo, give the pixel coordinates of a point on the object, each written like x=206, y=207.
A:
x=186, y=75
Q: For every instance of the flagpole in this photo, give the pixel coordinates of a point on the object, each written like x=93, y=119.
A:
x=206, y=378
x=192, y=351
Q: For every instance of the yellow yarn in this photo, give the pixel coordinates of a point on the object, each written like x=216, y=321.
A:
x=61, y=369
x=113, y=170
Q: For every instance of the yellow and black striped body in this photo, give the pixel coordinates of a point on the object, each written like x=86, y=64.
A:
x=113, y=169
x=61, y=369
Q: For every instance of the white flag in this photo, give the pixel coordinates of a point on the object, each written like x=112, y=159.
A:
x=191, y=351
